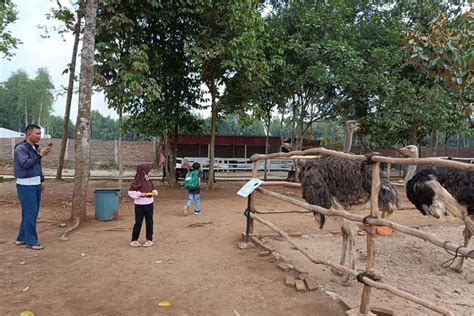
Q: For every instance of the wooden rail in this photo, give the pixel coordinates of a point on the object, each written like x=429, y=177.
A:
x=440, y=162
x=370, y=222
x=368, y=282
x=309, y=208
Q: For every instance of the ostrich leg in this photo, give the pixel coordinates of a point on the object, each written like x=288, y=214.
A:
x=349, y=231
x=467, y=238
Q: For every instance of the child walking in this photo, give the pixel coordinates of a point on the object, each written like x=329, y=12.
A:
x=142, y=191
x=193, y=183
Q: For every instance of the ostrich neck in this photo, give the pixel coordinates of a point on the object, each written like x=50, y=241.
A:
x=410, y=173
x=347, y=141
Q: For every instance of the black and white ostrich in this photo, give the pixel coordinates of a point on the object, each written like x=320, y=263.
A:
x=331, y=181
x=439, y=194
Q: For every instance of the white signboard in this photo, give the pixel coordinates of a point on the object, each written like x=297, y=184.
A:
x=249, y=187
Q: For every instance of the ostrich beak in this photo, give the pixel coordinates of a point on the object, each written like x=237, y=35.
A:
x=404, y=151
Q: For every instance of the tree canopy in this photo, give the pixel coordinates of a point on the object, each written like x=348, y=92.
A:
x=25, y=101
x=8, y=15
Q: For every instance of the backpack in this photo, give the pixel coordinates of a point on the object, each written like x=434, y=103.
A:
x=191, y=182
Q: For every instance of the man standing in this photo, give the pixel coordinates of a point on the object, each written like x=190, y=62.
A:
x=29, y=184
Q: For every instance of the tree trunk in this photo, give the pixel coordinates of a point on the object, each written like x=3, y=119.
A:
x=172, y=156
x=158, y=153
x=70, y=88
x=214, y=110
x=414, y=133
x=301, y=124
x=281, y=123
x=82, y=139
x=434, y=143
x=120, y=160
x=293, y=124
x=166, y=154
x=268, y=122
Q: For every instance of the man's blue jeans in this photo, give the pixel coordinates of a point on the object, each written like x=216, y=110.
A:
x=194, y=196
x=30, y=197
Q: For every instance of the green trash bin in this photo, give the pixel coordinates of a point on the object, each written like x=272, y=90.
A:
x=106, y=203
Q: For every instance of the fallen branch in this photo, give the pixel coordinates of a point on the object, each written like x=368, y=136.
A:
x=77, y=222
x=199, y=224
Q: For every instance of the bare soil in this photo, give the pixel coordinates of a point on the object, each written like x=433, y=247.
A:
x=195, y=263
x=403, y=261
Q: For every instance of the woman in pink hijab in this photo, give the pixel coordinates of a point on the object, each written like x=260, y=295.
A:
x=142, y=191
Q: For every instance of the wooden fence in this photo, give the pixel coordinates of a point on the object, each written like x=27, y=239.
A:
x=371, y=222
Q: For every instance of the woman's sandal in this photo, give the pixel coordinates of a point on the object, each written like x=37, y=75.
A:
x=135, y=243
x=19, y=242
x=148, y=243
x=35, y=247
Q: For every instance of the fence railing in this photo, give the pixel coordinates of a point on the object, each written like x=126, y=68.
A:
x=238, y=164
x=370, y=222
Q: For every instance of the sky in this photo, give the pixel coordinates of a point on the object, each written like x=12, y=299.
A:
x=53, y=53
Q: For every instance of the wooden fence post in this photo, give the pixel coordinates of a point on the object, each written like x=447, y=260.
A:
x=255, y=169
x=370, y=267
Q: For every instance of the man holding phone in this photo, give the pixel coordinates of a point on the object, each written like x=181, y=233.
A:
x=29, y=183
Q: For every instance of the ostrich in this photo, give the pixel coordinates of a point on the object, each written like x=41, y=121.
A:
x=330, y=180
x=438, y=194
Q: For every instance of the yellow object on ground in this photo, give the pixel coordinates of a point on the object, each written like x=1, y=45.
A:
x=27, y=313
x=165, y=303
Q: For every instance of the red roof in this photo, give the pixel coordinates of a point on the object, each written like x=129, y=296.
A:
x=230, y=140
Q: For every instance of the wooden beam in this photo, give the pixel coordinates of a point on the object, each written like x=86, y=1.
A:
x=370, y=265
x=345, y=269
x=432, y=238
x=401, y=161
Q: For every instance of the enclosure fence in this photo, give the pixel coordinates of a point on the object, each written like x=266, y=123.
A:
x=371, y=221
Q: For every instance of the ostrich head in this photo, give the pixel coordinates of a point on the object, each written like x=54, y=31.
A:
x=410, y=151
x=350, y=127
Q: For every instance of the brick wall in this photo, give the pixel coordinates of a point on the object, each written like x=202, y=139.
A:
x=102, y=151
x=134, y=153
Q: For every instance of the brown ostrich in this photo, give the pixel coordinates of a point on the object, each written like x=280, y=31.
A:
x=441, y=193
x=331, y=181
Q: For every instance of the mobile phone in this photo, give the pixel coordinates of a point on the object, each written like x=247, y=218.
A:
x=49, y=145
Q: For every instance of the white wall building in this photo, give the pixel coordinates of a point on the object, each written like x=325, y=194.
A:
x=8, y=133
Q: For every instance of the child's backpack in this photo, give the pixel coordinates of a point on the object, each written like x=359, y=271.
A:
x=191, y=182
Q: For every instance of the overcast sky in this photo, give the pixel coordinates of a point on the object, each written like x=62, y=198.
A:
x=53, y=53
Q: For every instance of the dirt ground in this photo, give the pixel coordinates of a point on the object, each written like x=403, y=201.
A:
x=403, y=261
x=195, y=262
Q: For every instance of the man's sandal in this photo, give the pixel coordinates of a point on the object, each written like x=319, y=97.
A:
x=35, y=247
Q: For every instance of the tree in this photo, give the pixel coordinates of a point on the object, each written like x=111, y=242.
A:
x=8, y=15
x=41, y=91
x=228, y=56
x=71, y=24
x=445, y=52
x=26, y=101
x=55, y=128
x=145, y=70
x=82, y=139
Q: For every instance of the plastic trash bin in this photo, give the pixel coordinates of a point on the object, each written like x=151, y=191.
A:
x=106, y=203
